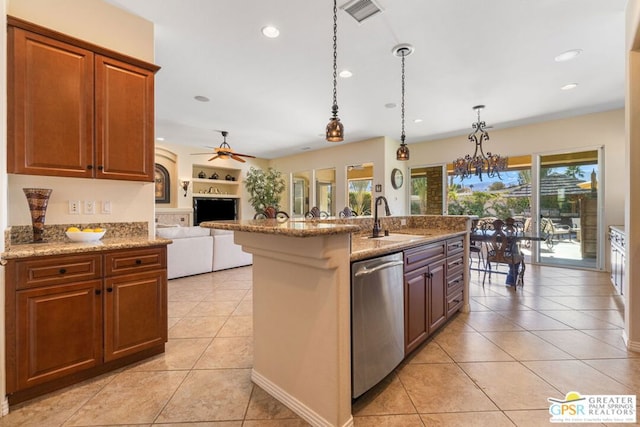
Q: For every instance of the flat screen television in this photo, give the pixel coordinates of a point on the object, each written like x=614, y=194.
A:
x=213, y=209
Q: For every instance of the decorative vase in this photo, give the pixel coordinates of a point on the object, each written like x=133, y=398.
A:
x=38, y=199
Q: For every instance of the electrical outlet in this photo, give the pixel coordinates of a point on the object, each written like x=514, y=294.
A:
x=89, y=207
x=403, y=221
x=106, y=207
x=74, y=207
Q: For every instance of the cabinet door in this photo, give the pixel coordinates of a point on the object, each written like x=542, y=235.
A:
x=124, y=121
x=50, y=107
x=437, y=296
x=135, y=313
x=58, y=332
x=416, y=296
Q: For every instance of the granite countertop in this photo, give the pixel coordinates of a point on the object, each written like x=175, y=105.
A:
x=363, y=247
x=69, y=247
x=285, y=227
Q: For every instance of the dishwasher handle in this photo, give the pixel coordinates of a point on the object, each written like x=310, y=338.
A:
x=365, y=271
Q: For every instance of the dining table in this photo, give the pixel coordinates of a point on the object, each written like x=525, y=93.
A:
x=516, y=271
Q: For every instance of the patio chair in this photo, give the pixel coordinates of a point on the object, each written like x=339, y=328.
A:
x=553, y=231
x=347, y=212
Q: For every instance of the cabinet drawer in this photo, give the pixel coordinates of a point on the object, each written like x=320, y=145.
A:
x=455, y=246
x=422, y=255
x=136, y=260
x=454, y=303
x=55, y=270
x=455, y=284
x=455, y=264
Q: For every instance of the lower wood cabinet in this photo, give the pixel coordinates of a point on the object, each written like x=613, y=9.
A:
x=66, y=320
x=433, y=284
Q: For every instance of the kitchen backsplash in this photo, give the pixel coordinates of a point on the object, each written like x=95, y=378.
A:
x=23, y=234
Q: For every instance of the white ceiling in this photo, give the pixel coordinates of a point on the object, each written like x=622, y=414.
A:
x=274, y=96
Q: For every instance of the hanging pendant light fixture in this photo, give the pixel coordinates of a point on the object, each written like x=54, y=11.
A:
x=335, y=129
x=489, y=164
x=402, y=50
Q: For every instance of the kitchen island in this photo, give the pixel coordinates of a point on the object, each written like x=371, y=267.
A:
x=301, y=302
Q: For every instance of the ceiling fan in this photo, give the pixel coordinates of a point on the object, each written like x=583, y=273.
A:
x=225, y=151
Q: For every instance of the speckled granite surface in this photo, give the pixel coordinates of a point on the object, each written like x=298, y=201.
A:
x=21, y=234
x=428, y=228
x=68, y=247
x=120, y=235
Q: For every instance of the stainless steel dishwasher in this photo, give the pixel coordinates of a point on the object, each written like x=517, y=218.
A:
x=377, y=320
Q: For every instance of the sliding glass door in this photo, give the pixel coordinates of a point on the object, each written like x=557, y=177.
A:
x=569, y=208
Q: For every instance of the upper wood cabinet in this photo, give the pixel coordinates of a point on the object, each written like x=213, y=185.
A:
x=75, y=109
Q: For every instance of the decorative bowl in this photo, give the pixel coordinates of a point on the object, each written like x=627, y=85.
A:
x=85, y=236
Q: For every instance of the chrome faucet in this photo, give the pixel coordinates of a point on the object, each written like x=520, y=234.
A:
x=376, y=222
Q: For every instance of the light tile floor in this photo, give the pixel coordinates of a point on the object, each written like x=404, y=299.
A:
x=495, y=366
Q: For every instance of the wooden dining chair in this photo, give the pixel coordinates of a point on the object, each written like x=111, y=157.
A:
x=502, y=248
x=270, y=213
x=315, y=212
x=476, y=248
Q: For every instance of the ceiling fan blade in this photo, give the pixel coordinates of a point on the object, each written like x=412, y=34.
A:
x=197, y=154
x=213, y=158
x=245, y=155
x=240, y=159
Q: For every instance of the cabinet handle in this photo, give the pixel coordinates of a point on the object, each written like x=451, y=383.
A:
x=456, y=301
x=63, y=270
x=109, y=289
x=100, y=167
x=138, y=261
x=89, y=167
x=98, y=291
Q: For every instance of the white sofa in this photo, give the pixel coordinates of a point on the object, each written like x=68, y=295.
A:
x=196, y=250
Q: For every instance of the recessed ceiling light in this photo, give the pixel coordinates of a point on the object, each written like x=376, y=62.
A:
x=417, y=121
x=201, y=98
x=159, y=138
x=569, y=86
x=345, y=74
x=390, y=105
x=270, y=32
x=568, y=55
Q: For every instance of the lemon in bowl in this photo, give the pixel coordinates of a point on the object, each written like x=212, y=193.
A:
x=86, y=234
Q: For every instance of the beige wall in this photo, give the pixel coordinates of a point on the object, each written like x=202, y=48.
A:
x=93, y=21
x=631, y=183
x=184, y=162
x=576, y=133
x=4, y=408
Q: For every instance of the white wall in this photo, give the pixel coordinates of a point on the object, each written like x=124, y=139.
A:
x=93, y=21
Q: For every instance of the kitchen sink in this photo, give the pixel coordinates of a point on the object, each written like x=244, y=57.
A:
x=395, y=237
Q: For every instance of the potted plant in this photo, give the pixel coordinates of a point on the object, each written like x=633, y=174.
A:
x=264, y=188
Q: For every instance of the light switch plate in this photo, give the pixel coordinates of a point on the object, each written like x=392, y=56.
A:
x=89, y=207
x=106, y=206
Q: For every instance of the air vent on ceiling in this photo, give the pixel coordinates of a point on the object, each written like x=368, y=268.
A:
x=361, y=9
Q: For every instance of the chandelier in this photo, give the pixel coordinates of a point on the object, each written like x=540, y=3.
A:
x=335, y=129
x=489, y=164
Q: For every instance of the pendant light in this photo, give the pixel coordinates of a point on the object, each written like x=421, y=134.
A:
x=335, y=129
x=402, y=50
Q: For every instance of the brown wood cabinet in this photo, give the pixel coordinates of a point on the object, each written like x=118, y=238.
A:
x=69, y=317
x=434, y=283
x=75, y=109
